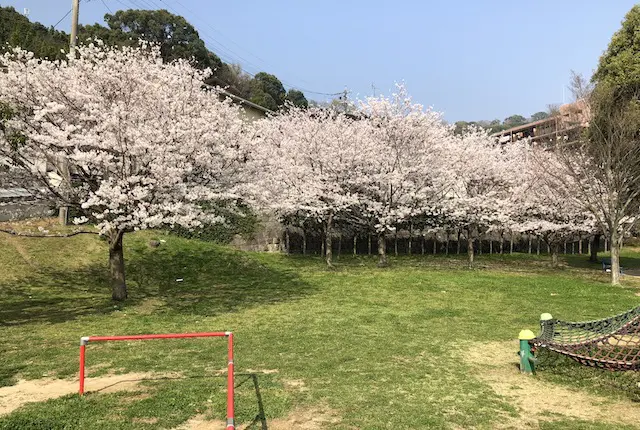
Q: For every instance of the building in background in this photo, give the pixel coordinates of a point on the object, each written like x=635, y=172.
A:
x=564, y=126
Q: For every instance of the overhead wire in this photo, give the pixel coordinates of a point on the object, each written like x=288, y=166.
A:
x=225, y=53
x=61, y=19
x=232, y=53
x=108, y=8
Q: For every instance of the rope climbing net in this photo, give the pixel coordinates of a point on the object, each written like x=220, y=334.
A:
x=611, y=343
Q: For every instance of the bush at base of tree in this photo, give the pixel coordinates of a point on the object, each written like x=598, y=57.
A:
x=239, y=220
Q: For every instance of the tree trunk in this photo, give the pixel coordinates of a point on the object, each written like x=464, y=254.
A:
x=422, y=243
x=616, y=244
x=538, y=246
x=501, y=243
x=369, y=243
x=322, y=241
x=328, y=241
x=606, y=245
x=595, y=247
x=446, y=248
x=410, y=244
x=116, y=266
x=458, y=243
x=565, y=247
x=580, y=246
x=511, y=242
x=554, y=255
x=529, y=243
x=63, y=215
x=355, y=245
x=470, y=248
x=339, y=244
x=286, y=241
x=435, y=244
x=304, y=242
x=395, y=243
x=382, y=250
x=490, y=246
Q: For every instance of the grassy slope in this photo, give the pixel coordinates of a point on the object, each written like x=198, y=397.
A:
x=381, y=347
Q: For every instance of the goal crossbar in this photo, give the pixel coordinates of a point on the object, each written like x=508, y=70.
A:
x=84, y=341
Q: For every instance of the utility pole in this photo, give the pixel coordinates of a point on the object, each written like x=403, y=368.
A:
x=345, y=99
x=75, y=11
x=63, y=168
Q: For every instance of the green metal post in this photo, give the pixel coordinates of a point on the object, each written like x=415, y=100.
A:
x=527, y=360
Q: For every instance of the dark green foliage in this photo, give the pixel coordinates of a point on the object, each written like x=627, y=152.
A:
x=297, y=98
x=176, y=37
x=514, y=120
x=233, y=79
x=17, y=30
x=539, y=116
x=620, y=64
x=270, y=85
x=263, y=99
x=240, y=219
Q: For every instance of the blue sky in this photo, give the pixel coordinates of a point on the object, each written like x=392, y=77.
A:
x=470, y=59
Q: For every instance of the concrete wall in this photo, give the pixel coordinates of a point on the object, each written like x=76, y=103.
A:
x=18, y=210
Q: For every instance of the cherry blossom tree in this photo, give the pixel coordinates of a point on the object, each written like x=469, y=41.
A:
x=134, y=143
x=545, y=207
x=407, y=173
x=309, y=164
x=485, y=174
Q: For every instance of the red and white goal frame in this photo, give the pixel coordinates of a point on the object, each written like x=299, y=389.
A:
x=84, y=341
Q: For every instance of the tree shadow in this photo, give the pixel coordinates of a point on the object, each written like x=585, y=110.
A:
x=241, y=379
x=213, y=281
x=194, y=279
x=49, y=295
x=583, y=262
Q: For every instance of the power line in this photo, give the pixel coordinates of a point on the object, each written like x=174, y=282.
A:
x=225, y=53
x=65, y=15
x=108, y=8
x=232, y=53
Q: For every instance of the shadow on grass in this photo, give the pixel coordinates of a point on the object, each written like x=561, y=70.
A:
x=168, y=405
x=51, y=296
x=212, y=281
x=258, y=422
x=560, y=369
x=193, y=278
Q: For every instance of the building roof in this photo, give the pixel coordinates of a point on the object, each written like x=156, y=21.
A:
x=524, y=126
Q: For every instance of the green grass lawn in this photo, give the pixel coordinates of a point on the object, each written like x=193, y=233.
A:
x=354, y=348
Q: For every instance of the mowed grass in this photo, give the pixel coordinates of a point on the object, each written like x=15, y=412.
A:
x=358, y=347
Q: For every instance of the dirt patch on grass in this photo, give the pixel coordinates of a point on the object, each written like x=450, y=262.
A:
x=315, y=418
x=295, y=385
x=262, y=371
x=199, y=422
x=496, y=364
x=39, y=390
x=149, y=306
x=148, y=420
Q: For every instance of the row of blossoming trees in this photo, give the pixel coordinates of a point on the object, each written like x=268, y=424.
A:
x=136, y=143
x=395, y=165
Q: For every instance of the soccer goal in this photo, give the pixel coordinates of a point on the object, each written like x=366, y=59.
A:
x=84, y=341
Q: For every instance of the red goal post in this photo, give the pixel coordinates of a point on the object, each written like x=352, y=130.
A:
x=84, y=341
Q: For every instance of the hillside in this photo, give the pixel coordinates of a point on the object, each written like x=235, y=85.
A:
x=176, y=37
